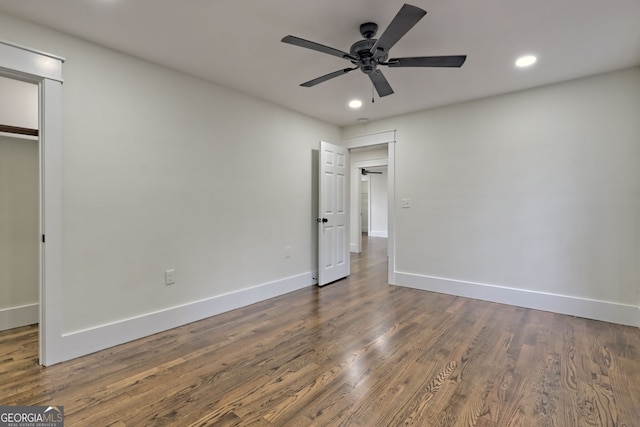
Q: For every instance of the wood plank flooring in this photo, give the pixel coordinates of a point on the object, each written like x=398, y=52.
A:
x=355, y=353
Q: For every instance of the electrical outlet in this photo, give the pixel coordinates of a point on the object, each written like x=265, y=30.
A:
x=170, y=277
x=287, y=252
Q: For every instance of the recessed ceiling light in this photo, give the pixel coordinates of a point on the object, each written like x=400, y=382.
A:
x=355, y=103
x=526, y=61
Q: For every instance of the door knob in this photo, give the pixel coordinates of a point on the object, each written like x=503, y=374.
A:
x=322, y=220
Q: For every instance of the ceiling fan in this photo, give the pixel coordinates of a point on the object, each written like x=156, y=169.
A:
x=368, y=172
x=369, y=53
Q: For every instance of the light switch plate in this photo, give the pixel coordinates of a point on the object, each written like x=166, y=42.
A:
x=170, y=277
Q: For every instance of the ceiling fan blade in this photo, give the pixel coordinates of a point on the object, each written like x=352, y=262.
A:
x=327, y=77
x=368, y=172
x=297, y=41
x=428, y=61
x=380, y=83
x=407, y=17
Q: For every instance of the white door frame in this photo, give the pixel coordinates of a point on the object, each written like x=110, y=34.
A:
x=46, y=71
x=369, y=140
x=356, y=168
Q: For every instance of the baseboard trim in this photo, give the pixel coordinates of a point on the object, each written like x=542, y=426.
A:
x=373, y=233
x=574, y=306
x=80, y=343
x=14, y=317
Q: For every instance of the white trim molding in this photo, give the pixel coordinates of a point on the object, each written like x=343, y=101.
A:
x=606, y=311
x=16, y=58
x=79, y=343
x=14, y=317
x=45, y=70
x=371, y=139
x=391, y=220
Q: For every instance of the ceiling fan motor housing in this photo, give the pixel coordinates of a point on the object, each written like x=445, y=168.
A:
x=366, y=60
x=362, y=51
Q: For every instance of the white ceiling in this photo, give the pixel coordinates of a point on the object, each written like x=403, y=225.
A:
x=236, y=43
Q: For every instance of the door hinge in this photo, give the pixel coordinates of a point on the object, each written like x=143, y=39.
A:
x=43, y=238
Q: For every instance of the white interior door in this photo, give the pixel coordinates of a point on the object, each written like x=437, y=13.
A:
x=333, y=218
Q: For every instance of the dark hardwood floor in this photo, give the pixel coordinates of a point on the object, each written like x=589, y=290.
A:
x=355, y=353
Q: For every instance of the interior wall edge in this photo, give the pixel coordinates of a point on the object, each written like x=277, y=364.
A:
x=14, y=317
x=605, y=311
x=80, y=343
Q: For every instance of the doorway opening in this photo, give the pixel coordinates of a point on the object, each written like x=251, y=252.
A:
x=374, y=153
x=19, y=204
x=45, y=71
x=374, y=201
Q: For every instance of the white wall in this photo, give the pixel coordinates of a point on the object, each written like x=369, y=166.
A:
x=162, y=170
x=379, y=203
x=19, y=244
x=530, y=198
x=18, y=103
x=364, y=203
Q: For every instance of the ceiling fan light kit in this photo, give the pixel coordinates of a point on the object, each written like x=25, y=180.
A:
x=369, y=53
